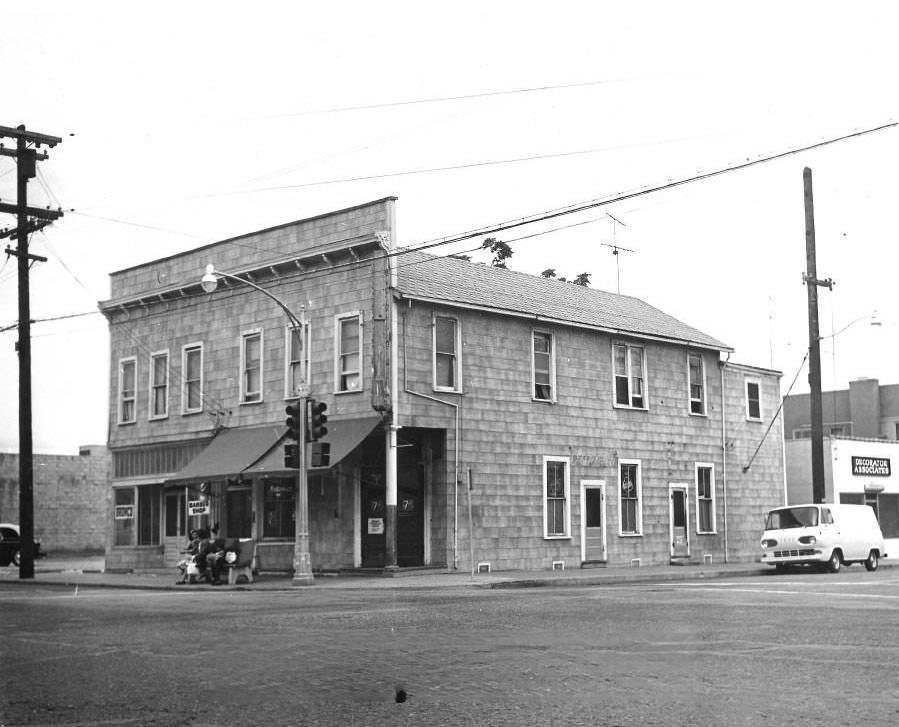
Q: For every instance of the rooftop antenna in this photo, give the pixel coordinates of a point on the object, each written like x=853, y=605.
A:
x=615, y=248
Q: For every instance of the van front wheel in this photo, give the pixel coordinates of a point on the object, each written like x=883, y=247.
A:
x=872, y=561
x=835, y=561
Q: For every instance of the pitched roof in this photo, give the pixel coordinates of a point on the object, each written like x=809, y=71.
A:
x=458, y=282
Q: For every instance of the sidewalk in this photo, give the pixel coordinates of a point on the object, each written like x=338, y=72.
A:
x=89, y=572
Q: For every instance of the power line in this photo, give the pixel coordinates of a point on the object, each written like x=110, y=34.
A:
x=440, y=99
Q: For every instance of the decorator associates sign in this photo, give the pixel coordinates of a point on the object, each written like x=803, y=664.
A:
x=871, y=466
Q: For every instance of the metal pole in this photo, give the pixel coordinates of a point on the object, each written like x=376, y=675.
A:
x=814, y=342
x=24, y=165
x=302, y=564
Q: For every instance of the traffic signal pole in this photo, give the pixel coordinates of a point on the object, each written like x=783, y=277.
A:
x=26, y=168
x=302, y=564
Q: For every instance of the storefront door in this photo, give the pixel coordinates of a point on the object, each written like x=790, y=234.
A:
x=593, y=522
x=175, y=538
x=679, y=528
x=374, y=518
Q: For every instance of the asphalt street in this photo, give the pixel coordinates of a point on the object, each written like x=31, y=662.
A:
x=797, y=649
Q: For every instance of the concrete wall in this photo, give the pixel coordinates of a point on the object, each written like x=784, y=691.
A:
x=69, y=499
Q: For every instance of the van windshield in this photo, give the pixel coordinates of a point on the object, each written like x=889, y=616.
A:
x=792, y=517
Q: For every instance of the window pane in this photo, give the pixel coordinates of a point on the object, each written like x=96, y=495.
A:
x=128, y=379
x=124, y=516
x=621, y=391
x=555, y=512
x=620, y=361
x=705, y=516
x=555, y=479
x=636, y=362
x=193, y=364
x=888, y=514
x=446, y=371
x=148, y=507
x=349, y=335
x=752, y=400
x=279, y=510
x=240, y=513
x=446, y=335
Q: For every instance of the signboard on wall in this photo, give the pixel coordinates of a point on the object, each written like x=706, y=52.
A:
x=198, y=507
x=871, y=466
x=124, y=512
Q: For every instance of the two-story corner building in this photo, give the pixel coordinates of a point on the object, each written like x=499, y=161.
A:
x=476, y=415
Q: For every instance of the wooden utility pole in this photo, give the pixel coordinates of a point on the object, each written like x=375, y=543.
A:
x=28, y=219
x=814, y=341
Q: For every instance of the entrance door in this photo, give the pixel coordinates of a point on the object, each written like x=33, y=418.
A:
x=374, y=519
x=175, y=538
x=410, y=517
x=680, y=531
x=593, y=521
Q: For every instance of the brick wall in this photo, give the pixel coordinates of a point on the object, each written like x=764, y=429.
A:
x=70, y=500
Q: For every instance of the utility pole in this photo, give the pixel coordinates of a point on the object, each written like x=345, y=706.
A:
x=814, y=341
x=28, y=219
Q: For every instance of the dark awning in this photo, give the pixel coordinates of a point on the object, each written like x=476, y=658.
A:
x=343, y=435
x=230, y=453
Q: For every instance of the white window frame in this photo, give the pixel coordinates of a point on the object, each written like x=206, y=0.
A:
x=186, y=349
x=457, y=358
x=121, y=397
x=711, y=467
x=244, y=393
x=289, y=363
x=552, y=365
x=338, y=354
x=630, y=394
x=702, y=384
x=639, y=484
x=152, y=385
x=544, y=495
x=758, y=385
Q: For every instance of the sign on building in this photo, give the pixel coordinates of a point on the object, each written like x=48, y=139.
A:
x=197, y=507
x=871, y=466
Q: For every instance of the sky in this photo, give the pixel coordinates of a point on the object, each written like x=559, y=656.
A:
x=188, y=123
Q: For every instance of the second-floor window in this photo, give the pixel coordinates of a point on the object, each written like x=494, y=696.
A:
x=348, y=373
x=446, y=358
x=251, y=366
x=629, y=375
x=127, y=391
x=297, y=360
x=543, y=366
x=696, y=375
x=192, y=378
x=159, y=385
x=753, y=400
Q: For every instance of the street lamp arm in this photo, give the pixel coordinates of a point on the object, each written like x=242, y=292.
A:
x=210, y=281
x=872, y=317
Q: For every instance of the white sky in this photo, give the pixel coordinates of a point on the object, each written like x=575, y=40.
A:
x=181, y=111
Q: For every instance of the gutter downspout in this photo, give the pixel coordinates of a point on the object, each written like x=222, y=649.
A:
x=724, y=452
x=456, y=437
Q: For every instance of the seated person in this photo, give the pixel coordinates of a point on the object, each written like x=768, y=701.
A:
x=214, y=553
x=193, y=545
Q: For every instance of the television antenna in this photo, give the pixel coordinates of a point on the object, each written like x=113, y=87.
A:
x=616, y=248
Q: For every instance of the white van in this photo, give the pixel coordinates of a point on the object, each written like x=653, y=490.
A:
x=831, y=534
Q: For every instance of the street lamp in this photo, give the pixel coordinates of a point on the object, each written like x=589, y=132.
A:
x=302, y=565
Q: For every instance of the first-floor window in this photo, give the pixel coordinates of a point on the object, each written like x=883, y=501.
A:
x=705, y=498
x=555, y=497
x=630, y=488
x=137, y=515
x=279, y=509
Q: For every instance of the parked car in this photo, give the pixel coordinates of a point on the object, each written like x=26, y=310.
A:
x=11, y=545
x=831, y=535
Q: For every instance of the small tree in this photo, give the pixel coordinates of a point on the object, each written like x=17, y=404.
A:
x=549, y=273
x=501, y=251
x=583, y=280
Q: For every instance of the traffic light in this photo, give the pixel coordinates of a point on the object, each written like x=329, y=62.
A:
x=320, y=454
x=317, y=428
x=291, y=456
x=294, y=420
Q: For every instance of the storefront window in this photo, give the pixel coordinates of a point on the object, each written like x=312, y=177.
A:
x=137, y=515
x=124, y=516
x=279, y=510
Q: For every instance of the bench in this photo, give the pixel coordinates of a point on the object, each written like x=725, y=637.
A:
x=245, y=549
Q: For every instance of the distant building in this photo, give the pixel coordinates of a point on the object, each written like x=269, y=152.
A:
x=70, y=498
x=477, y=416
x=861, y=451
